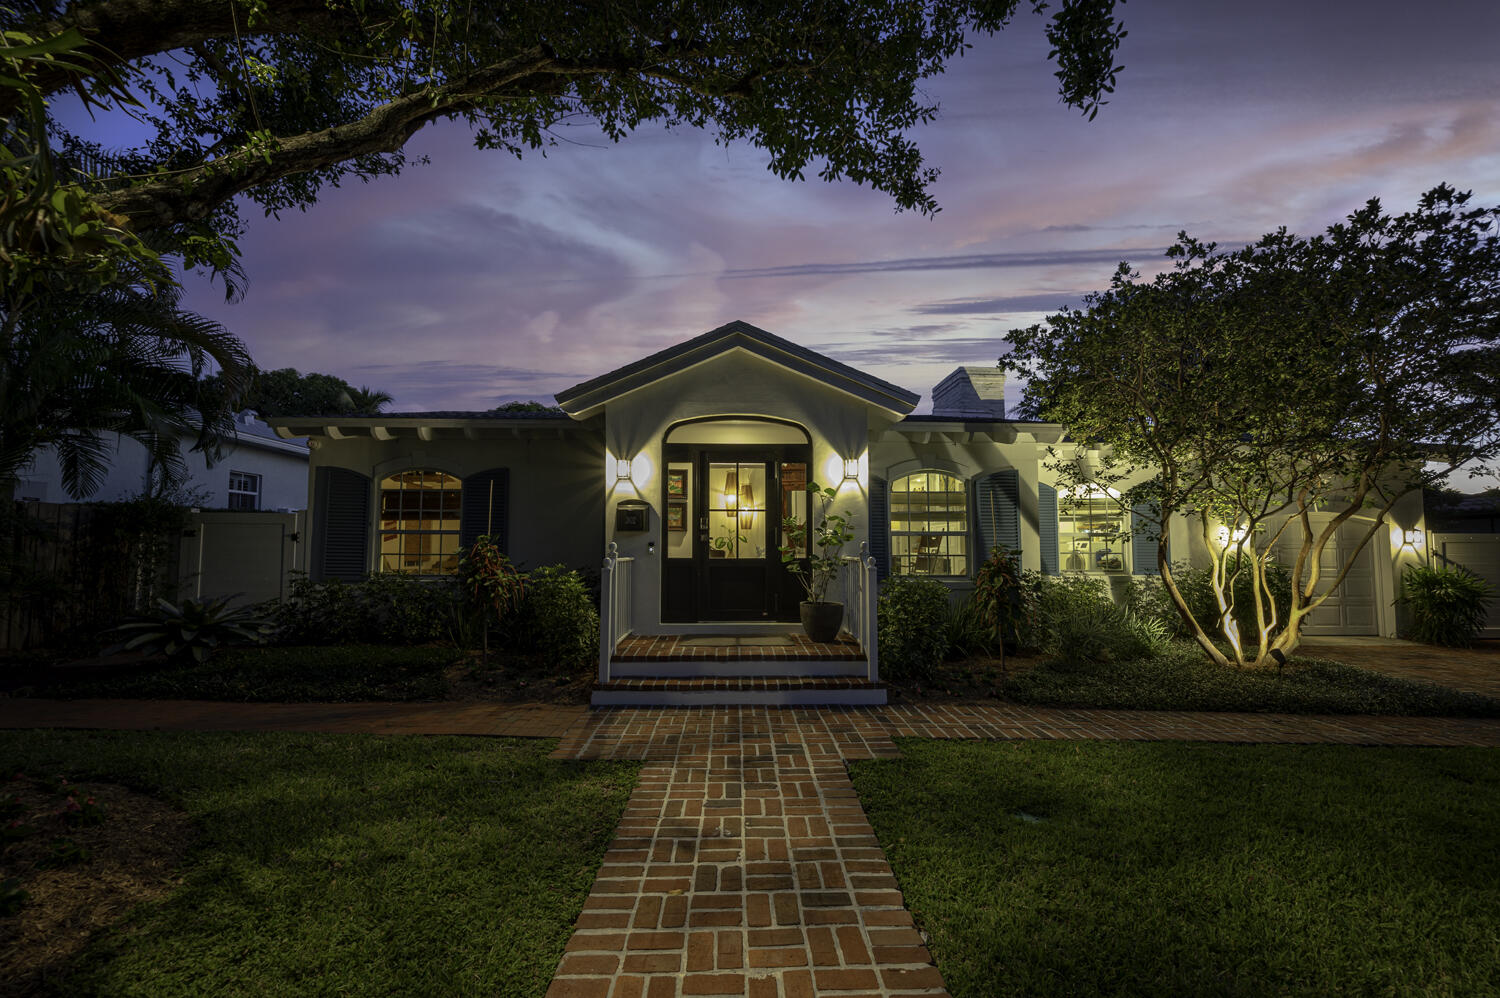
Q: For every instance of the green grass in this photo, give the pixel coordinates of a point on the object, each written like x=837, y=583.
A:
x=335, y=674
x=1183, y=679
x=348, y=864
x=1048, y=868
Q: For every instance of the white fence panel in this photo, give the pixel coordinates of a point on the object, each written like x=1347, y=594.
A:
x=1480, y=554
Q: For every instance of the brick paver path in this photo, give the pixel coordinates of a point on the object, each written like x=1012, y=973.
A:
x=744, y=864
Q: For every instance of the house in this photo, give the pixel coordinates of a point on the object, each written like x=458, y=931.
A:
x=676, y=471
x=260, y=470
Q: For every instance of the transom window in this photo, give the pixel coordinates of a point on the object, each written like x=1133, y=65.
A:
x=244, y=490
x=929, y=525
x=419, y=514
x=1093, y=534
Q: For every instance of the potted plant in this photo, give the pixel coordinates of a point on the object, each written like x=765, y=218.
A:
x=820, y=617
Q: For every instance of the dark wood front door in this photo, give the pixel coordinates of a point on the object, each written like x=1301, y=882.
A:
x=731, y=504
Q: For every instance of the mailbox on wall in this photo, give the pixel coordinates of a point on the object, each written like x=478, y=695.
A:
x=632, y=515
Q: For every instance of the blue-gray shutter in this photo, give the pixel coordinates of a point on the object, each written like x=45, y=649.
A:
x=484, y=504
x=1142, y=547
x=342, y=506
x=1046, y=528
x=880, y=525
x=997, y=512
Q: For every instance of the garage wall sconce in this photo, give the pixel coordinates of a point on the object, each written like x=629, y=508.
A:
x=622, y=469
x=851, y=469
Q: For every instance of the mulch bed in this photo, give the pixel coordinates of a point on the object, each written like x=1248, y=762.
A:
x=84, y=865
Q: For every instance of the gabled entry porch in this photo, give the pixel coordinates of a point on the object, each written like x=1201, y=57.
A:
x=738, y=663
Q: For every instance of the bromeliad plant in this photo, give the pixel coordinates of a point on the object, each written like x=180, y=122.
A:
x=829, y=537
x=192, y=629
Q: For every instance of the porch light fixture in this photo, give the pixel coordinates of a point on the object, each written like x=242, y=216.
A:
x=622, y=469
x=851, y=469
x=1411, y=538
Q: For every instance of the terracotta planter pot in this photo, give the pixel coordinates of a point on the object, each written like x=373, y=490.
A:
x=820, y=621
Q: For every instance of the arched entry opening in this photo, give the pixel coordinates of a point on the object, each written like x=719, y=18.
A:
x=728, y=483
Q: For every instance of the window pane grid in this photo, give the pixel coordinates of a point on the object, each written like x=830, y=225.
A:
x=929, y=517
x=1093, y=535
x=419, y=522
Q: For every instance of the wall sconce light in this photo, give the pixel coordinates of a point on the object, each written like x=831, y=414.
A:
x=851, y=469
x=622, y=469
x=1411, y=538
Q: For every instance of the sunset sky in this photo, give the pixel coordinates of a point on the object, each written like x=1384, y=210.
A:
x=478, y=279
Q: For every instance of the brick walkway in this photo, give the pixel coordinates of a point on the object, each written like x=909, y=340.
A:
x=744, y=864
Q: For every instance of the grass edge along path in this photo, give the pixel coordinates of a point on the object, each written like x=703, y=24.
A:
x=348, y=864
x=1043, y=868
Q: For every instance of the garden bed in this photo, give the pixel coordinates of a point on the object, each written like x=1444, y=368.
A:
x=312, y=674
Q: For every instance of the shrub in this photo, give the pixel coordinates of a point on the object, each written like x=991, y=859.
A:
x=386, y=608
x=912, y=618
x=1005, y=599
x=557, y=620
x=1447, y=604
x=1081, y=623
x=969, y=633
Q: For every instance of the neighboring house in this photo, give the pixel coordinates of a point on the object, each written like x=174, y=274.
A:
x=259, y=470
x=682, y=464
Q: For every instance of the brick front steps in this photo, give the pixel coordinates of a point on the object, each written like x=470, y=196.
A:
x=680, y=670
x=804, y=691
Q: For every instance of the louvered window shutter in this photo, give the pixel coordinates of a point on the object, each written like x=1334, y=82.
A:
x=1046, y=528
x=1142, y=547
x=486, y=505
x=341, y=547
x=880, y=525
x=997, y=511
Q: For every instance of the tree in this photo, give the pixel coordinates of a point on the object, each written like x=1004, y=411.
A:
x=1255, y=388
x=275, y=100
x=124, y=359
x=285, y=392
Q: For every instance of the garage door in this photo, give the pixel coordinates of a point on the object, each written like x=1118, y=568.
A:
x=1351, y=609
x=1480, y=554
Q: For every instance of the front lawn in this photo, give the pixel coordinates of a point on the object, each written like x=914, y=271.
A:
x=345, y=864
x=1046, y=868
x=1183, y=679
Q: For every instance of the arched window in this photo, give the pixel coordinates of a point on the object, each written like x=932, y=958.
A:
x=419, y=514
x=929, y=513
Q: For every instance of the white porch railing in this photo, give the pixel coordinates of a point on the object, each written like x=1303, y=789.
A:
x=861, y=587
x=614, y=605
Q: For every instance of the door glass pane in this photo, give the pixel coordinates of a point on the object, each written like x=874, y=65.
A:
x=794, y=502
x=736, y=510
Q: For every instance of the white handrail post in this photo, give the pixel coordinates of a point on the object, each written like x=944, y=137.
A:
x=870, y=591
x=607, y=598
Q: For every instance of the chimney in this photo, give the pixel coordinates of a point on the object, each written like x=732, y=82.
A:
x=971, y=393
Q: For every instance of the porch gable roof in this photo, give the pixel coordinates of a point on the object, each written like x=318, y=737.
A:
x=583, y=400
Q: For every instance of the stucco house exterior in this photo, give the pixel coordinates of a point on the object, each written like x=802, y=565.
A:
x=260, y=470
x=675, y=472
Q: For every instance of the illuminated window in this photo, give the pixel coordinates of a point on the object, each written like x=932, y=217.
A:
x=419, y=512
x=929, y=525
x=1093, y=534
